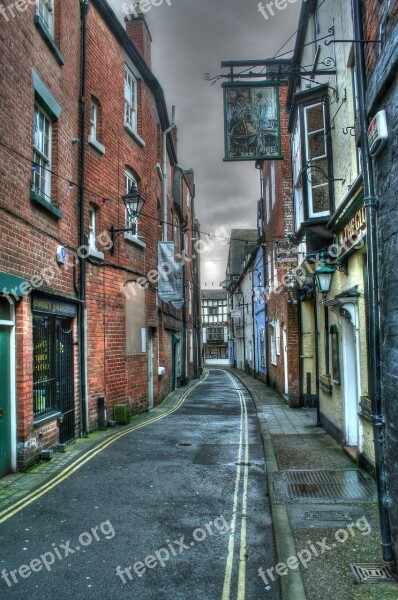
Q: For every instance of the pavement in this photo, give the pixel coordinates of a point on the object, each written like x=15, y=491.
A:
x=324, y=509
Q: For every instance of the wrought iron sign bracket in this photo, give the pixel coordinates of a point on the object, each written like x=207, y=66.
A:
x=115, y=232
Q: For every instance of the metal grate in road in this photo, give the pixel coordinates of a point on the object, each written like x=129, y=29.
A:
x=372, y=573
x=336, y=485
x=329, y=515
x=351, y=485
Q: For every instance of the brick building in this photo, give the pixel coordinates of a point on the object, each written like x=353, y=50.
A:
x=80, y=320
x=215, y=326
x=276, y=221
x=380, y=21
x=39, y=117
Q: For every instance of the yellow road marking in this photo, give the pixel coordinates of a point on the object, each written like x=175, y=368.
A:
x=76, y=465
x=244, y=442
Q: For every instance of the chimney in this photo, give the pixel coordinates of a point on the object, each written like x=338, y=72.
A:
x=138, y=31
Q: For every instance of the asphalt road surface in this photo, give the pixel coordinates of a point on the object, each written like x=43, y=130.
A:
x=175, y=510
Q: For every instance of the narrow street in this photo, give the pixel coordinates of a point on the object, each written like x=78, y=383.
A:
x=174, y=505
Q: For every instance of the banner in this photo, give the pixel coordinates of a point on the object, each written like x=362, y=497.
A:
x=252, y=121
x=170, y=282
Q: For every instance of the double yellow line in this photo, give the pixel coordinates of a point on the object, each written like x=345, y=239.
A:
x=241, y=474
x=87, y=456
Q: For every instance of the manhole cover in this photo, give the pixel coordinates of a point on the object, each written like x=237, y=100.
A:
x=371, y=573
x=323, y=485
x=329, y=515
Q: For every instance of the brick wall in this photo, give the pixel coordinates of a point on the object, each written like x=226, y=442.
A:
x=280, y=223
x=29, y=235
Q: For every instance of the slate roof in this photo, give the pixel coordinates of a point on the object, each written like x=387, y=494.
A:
x=243, y=242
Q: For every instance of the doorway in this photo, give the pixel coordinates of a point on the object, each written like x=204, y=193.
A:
x=285, y=359
x=350, y=383
x=150, y=368
x=5, y=401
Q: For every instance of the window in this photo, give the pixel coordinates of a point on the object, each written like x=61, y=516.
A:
x=335, y=350
x=130, y=221
x=273, y=344
x=176, y=232
x=52, y=363
x=354, y=80
x=262, y=347
x=94, y=119
x=317, y=160
x=267, y=200
x=215, y=334
x=95, y=126
x=130, y=100
x=45, y=9
x=273, y=187
x=297, y=177
x=92, y=236
x=276, y=285
x=278, y=337
x=42, y=130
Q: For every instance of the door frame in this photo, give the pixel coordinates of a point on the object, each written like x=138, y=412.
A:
x=285, y=360
x=13, y=403
x=151, y=368
x=351, y=360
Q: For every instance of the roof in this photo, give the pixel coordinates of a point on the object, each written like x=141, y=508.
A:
x=214, y=294
x=243, y=242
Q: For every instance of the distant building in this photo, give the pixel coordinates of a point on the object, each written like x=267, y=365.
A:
x=215, y=326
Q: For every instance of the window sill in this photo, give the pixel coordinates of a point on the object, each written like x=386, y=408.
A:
x=48, y=417
x=36, y=198
x=96, y=144
x=96, y=254
x=46, y=35
x=135, y=135
x=134, y=240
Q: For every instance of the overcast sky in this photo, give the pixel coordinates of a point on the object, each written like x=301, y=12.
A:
x=190, y=38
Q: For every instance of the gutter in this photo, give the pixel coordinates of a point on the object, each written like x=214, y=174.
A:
x=372, y=295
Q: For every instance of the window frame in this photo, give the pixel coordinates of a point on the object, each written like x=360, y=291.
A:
x=129, y=178
x=47, y=160
x=311, y=160
x=46, y=16
x=131, y=103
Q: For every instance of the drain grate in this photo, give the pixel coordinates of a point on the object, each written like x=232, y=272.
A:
x=323, y=485
x=184, y=444
x=329, y=515
x=372, y=573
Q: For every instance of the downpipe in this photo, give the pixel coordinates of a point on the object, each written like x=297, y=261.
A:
x=373, y=320
x=84, y=9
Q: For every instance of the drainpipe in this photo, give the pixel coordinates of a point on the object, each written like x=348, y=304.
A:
x=317, y=374
x=373, y=317
x=84, y=8
x=164, y=169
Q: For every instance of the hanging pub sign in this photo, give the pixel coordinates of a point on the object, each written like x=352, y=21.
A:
x=286, y=256
x=252, y=121
x=170, y=282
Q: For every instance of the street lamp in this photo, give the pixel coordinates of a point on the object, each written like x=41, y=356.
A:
x=239, y=296
x=134, y=203
x=324, y=274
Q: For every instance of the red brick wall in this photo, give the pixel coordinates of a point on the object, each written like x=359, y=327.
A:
x=29, y=235
x=281, y=222
x=376, y=12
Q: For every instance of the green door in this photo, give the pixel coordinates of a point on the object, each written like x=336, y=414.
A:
x=5, y=401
